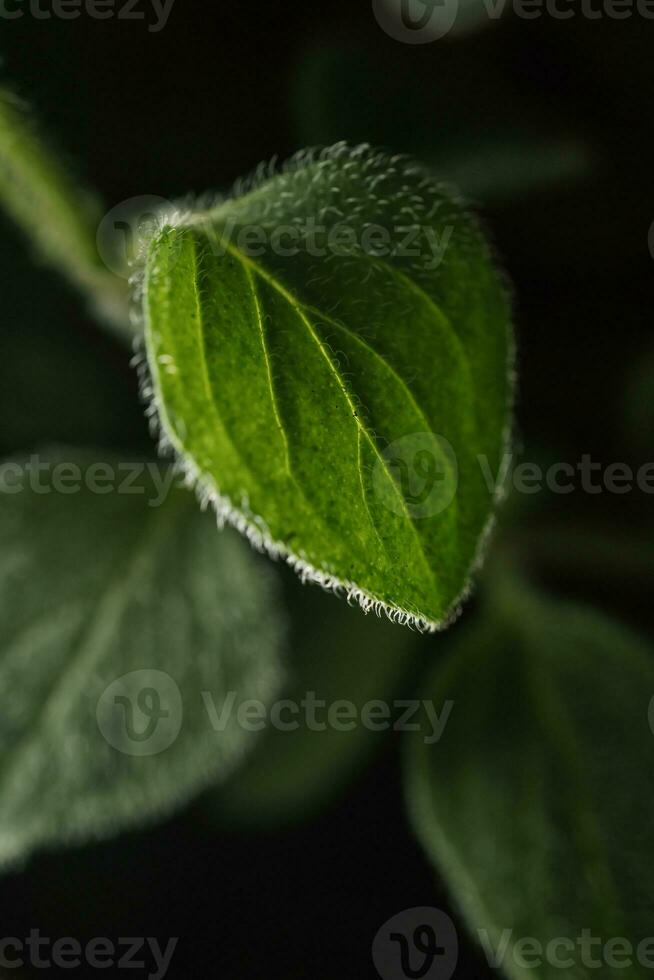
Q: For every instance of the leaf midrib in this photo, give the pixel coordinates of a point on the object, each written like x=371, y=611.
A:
x=269, y=371
x=90, y=647
x=301, y=312
x=361, y=342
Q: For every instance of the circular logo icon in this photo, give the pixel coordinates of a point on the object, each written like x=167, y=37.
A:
x=141, y=712
x=420, y=942
x=417, y=474
x=122, y=228
x=416, y=21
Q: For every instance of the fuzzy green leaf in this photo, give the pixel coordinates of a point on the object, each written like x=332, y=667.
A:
x=124, y=629
x=330, y=386
x=58, y=216
x=536, y=803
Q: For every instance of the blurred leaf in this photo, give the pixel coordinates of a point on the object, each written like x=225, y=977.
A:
x=337, y=655
x=59, y=217
x=638, y=407
x=536, y=803
x=120, y=622
x=332, y=403
x=413, y=107
x=499, y=169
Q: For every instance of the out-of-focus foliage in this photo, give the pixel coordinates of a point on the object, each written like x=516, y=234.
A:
x=534, y=804
x=59, y=217
x=127, y=625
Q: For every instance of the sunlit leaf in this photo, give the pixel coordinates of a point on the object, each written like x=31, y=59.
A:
x=330, y=357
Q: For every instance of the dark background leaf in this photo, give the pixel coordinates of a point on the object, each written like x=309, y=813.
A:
x=524, y=777
x=129, y=596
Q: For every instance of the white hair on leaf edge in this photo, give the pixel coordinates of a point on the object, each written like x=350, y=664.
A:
x=254, y=528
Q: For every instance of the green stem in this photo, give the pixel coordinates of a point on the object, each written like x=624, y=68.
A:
x=58, y=216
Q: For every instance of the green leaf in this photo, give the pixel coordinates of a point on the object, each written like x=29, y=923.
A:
x=125, y=628
x=332, y=403
x=57, y=215
x=536, y=803
x=335, y=655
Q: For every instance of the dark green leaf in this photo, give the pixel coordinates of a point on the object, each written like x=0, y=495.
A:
x=536, y=802
x=121, y=625
x=332, y=403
